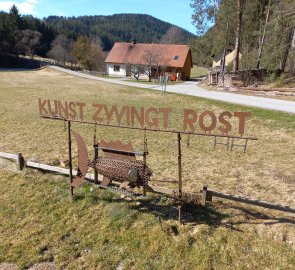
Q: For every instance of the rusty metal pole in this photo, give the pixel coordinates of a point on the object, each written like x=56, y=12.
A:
x=144, y=163
x=95, y=170
x=95, y=146
x=70, y=157
x=179, y=177
x=144, y=168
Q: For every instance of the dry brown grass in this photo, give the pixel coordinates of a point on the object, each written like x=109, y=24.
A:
x=265, y=172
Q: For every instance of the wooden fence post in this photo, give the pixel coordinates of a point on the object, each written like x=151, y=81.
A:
x=204, y=194
x=20, y=161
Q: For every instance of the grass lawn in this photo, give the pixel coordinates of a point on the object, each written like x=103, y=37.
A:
x=99, y=230
x=198, y=72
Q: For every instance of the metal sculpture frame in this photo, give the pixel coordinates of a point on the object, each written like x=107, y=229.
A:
x=179, y=194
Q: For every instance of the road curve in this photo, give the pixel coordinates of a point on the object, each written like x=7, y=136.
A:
x=191, y=89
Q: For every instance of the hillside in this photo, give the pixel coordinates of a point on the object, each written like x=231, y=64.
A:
x=120, y=27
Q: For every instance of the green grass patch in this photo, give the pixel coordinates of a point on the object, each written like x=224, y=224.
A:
x=198, y=72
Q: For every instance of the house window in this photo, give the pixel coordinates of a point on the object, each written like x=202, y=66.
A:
x=176, y=57
x=116, y=68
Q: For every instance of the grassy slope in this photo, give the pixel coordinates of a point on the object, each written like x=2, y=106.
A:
x=198, y=72
x=119, y=231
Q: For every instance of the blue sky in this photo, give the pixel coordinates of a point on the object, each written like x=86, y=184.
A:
x=177, y=12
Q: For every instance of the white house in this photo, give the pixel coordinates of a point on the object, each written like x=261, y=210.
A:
x=124, y=56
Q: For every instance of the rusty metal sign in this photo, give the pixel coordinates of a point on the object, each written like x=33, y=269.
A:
x=116, y=161
x=151, y=117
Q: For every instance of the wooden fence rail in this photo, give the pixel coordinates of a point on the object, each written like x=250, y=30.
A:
x=255, y=202
x=8, y=156
x=90, y=177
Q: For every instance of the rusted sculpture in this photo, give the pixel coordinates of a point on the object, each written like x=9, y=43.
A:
x=119, y=161
x=118, y=164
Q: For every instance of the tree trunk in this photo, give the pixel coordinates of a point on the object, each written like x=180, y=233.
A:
x=288, y=47
x=263, y=38
x=240, y=4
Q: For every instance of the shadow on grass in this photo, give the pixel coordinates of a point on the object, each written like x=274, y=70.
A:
x=259, y=217
x=193, y=214
x=162, y=207
x=165, y=209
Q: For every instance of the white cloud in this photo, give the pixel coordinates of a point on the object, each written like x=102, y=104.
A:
x=25, y=7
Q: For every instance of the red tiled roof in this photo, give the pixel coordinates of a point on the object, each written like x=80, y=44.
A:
x=140, y=53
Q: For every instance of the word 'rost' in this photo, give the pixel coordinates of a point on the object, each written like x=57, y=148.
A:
x=151, y=117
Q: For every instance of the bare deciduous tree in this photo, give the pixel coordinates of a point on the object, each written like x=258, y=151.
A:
x=62, y=50
x=27, y=41
x=155, y=58
x=205, y=14
x=136, y=70
x=172, y=36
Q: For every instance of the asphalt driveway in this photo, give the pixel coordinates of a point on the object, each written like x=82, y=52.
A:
x=192, y=89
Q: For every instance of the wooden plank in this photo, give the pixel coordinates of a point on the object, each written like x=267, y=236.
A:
x=7, y=155
x=46, y=167
x=251, y=201
x=59, y=170
x=161, y=190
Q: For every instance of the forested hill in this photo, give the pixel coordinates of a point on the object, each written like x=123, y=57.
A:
x=120, y=27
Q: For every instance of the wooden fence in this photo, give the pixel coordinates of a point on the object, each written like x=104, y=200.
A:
x=21, y=164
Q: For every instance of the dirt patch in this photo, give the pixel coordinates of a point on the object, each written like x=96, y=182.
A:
x=43, y=266
x=8, y=266
x=7, y=165
x=39, y=266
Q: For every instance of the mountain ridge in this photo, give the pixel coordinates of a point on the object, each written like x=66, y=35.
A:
x=123, y=27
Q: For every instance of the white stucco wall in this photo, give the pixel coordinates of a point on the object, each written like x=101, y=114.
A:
x=121, y=73
x=229, y=58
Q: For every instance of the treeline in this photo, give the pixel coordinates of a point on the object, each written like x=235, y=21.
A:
x=28, y=36
x=262, y=30
x=120, y=27
x=24, y=34
x=83, y=40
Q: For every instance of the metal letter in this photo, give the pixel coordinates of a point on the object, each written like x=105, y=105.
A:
x=227, y=126
x=95, y=117
x=213, y=121
x=189, y=121
x=165, y=112
x=242, y=117
x=42, y=106
x=155, y=121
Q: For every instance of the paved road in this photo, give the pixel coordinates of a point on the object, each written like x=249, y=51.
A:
x=192, y=89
